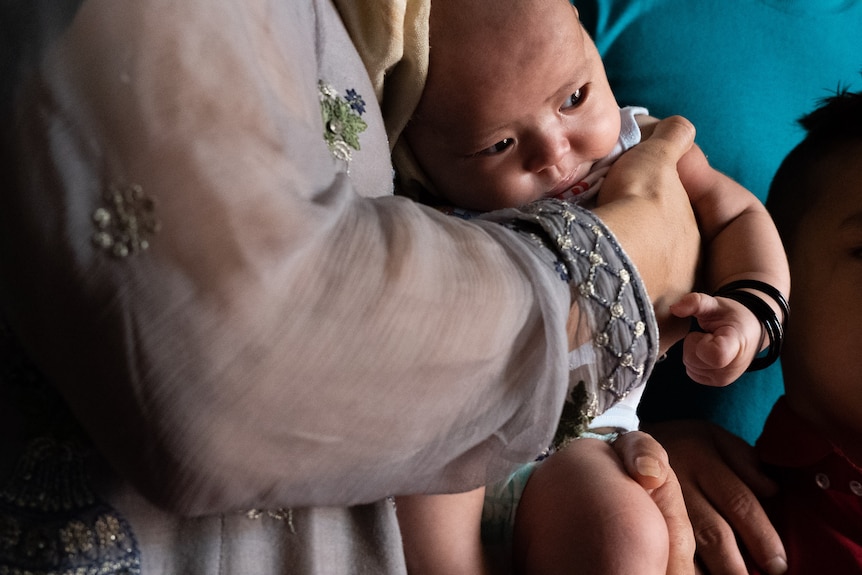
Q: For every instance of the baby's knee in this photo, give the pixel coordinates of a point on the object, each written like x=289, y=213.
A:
x=590, y=514
x=628, y=534
x=637, y=540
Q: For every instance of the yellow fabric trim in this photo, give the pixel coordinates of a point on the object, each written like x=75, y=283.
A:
x=392, y=39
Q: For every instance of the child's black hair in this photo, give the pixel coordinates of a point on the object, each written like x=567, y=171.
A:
x=834, y=124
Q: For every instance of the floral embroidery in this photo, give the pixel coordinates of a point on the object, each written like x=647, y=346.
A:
x=579, y=409
x=341, y=120
x=52, y=524
x=356, y=102
x=124, y=225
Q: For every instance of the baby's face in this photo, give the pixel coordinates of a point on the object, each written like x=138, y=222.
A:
x=823, y=355
x=515, y=109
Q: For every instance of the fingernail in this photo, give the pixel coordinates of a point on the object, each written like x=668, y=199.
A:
x=776, y=566
x=648, y=466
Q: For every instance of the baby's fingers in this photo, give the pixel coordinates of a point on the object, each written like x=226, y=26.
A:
x=715, y=350
x=694, y=304
x=713, y=358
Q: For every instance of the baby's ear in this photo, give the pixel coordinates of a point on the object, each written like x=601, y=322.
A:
x=646, y=124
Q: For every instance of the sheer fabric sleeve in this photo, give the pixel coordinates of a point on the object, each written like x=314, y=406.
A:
x=266, y=334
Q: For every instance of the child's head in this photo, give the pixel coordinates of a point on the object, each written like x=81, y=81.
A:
x=816, y=201
x=516, y=105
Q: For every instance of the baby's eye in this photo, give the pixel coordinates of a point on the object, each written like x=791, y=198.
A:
x=498, y=147
x=574, y=99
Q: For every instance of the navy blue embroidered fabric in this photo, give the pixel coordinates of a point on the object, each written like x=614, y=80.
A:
x=51, y=521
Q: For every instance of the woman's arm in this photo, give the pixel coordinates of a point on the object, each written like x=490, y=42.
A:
x=663, y=254
x=285, y=339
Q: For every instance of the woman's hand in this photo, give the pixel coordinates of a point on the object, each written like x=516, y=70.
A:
x=721, y=482
x=647, y=462
x=644, y=203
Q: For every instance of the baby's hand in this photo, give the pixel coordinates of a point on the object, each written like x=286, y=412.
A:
x=732, y=337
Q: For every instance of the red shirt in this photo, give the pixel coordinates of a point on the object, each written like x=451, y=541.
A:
x=818, y=512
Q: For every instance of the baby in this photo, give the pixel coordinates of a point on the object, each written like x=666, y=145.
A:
x=516, y=107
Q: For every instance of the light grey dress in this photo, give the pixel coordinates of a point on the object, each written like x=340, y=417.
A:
x=227, y=342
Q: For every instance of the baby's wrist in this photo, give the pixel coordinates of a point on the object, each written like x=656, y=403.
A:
x=745, y=292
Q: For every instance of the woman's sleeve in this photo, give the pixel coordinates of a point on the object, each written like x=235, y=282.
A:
x=232, y=323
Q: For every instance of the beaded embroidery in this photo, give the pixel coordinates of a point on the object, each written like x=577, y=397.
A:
x=124, y=225
x=342, y=122
x=587, y=257
x=280, y=514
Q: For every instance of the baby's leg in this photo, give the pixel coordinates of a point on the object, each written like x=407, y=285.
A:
x=441, y=533
x=581, y=512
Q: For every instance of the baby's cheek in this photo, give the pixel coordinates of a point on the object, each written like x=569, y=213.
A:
x=527, y=189
x=499, y=192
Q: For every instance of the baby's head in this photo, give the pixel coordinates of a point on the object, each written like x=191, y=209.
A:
x=816, y=202
x=516, y=105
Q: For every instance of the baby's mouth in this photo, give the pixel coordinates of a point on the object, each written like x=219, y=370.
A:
x=563, y=189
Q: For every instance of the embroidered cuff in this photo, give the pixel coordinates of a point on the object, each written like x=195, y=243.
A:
x=606, y=284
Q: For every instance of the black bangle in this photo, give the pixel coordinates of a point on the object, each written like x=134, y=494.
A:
x=763, y=312
x=761, y=287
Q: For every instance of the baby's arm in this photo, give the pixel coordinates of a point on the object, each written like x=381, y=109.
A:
x=741, y=243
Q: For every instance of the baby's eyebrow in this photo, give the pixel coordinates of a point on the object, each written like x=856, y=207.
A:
x=565, y=90
x=484, y=134
x=467, y=142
